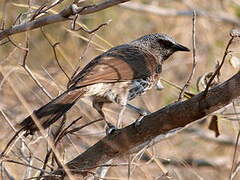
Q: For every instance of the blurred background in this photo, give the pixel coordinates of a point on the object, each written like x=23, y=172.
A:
x=194, y=153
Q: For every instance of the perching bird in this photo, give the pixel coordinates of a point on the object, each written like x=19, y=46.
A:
x=118, y=75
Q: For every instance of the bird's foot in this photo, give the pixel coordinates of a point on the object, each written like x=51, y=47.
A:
x=138, y=121
x=142, y=115
x=110, y=128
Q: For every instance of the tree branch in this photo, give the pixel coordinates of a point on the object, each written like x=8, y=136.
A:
x=64, y=15
x=159, y=124
x=172, y=12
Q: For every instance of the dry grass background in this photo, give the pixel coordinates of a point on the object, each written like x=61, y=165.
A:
x=73, y=51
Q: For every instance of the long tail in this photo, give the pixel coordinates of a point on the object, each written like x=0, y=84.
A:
x=51, y=112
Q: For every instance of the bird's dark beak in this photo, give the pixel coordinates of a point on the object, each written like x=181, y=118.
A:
x=179, y=47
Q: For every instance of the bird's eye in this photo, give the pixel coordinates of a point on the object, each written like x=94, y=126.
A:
x=165, y=43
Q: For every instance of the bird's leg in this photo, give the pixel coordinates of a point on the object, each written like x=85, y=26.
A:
x=119, y=121
x=98, y=105
x=140, y=111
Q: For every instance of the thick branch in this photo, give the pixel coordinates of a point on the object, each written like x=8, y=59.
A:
x=161, y=122
x=62, y=16
x=172, y=12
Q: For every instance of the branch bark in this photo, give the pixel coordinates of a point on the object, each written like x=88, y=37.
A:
x=64, y=15
x=160, y=123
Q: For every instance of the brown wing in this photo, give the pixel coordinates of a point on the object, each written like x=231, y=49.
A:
x=121, y=63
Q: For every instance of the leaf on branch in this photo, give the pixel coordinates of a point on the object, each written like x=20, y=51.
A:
x=214, y=125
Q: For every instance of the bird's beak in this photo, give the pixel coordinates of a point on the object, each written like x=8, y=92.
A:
x=179, y=47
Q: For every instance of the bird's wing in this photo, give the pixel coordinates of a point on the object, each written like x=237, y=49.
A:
x=121, y=63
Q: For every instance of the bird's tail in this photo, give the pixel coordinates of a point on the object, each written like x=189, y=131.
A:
x=51, y=112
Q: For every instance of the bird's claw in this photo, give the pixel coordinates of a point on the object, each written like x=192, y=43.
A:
x=138, y=121
x=110, y=128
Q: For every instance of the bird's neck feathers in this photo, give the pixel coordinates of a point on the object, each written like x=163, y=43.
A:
x=145, y=45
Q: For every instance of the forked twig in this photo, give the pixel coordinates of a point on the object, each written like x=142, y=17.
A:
x=54, y=52
x=86, y=30
x=234, y=33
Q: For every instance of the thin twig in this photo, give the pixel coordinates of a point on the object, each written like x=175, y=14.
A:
x=78, y=67
x=56, y=138
x=63, y=133
x=55, y=53
x=55, y=135
x=24, y=164
x=234, y=33
x=25, y=67
x=185, y=87
x=38, y=11
x=86, y=30
x=10, y=142
x=217, y=71
x=14, y=44
x=3, y=10
x=83, y=126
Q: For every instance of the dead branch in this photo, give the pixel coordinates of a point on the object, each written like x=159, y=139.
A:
x=187, y=84
x=173, y=12
x=160, y=124
x=64, y=15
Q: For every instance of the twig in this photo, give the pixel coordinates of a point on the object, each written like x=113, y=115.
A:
x=78, y=67
x=86, y=30
x=25, y=67
x=235, y=171
x=3, y=10
x=5, y=171
x=38, y=11
x=63, y=132
x=24, y=164
x=4, y=42
x=10, y=142
x=54, y=52
x=42, y=131
x=83, y=126
x=56, y=140
x=41, y=9
x=54, y=137
x=14, y=44
x=234, y=33
x=187, y=94
x=54, y=157
x=194, y=57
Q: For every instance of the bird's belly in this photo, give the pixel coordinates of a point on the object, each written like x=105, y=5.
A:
x=121, y=92
x=114, y=92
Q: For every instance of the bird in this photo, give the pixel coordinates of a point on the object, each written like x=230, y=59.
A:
x=116, y=76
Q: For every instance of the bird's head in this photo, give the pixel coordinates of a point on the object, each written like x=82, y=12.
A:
x=160, y=45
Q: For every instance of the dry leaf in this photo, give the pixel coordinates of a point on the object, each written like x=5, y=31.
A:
x=214, y=125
